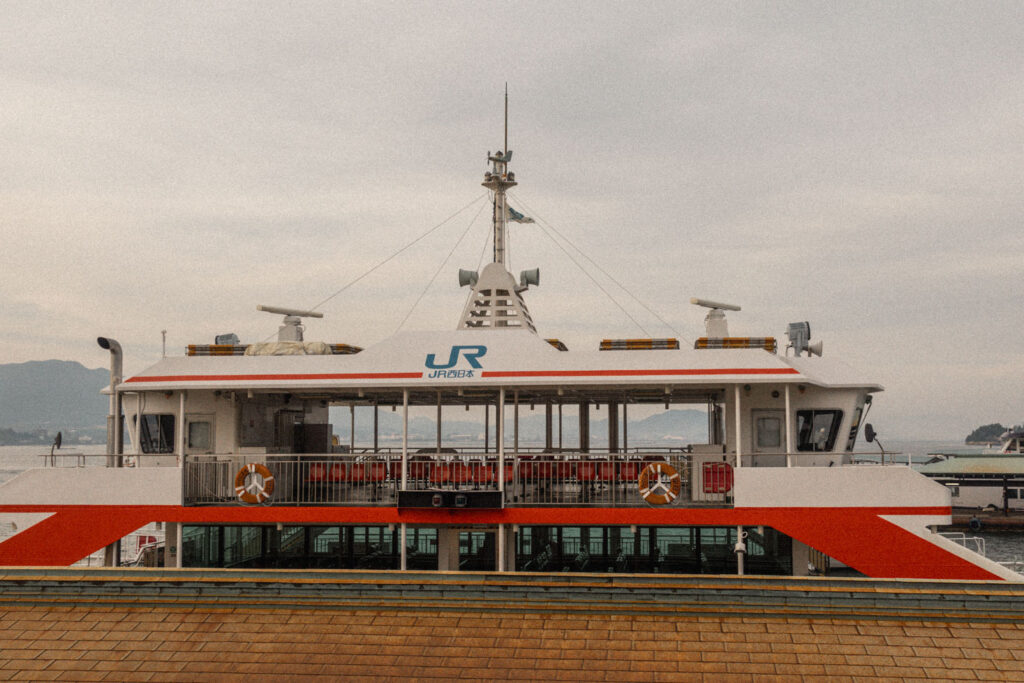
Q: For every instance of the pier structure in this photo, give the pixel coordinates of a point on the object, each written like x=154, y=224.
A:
x=222, y=625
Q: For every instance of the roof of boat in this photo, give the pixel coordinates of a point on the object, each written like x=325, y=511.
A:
x=491, y=358
x=974, y=463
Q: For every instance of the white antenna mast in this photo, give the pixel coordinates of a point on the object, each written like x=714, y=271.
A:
x=496, y=301
x=498, y=180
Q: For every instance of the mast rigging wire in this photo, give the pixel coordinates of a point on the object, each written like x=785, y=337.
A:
x=603, y=271
x=441, y=267
x=389, y=258
x=428, y=232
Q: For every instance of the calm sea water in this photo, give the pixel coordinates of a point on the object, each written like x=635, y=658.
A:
x=1000, y=545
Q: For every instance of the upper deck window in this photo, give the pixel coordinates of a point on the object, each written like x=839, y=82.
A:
x=816, y=429
x=156, y=433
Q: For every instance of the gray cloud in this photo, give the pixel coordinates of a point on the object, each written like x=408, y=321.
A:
x=858, y=166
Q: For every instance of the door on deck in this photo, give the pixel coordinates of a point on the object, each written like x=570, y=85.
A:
x=769, y=438
x=199, y=434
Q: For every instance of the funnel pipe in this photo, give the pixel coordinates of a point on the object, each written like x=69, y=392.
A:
x=115, y=437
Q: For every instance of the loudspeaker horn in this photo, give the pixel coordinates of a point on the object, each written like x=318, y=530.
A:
x=814, y=349
x=467, y=277
x=529, y=277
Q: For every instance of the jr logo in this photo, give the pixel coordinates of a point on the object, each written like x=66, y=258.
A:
x=472, y=353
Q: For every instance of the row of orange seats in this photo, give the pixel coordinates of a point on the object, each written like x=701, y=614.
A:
x=481, y=473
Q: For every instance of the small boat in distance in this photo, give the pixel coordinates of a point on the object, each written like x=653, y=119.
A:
x=232, y=451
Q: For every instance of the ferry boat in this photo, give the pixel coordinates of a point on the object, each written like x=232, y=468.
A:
x=230, y=451
x=986, y=479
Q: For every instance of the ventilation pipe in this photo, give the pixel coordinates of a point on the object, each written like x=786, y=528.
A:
x=115, y=438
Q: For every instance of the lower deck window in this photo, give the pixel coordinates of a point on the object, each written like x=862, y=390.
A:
x=614, y=549
x=670, y=550
x=306, y=547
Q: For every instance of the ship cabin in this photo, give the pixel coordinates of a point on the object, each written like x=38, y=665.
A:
x=486, y=449
x=490, y=447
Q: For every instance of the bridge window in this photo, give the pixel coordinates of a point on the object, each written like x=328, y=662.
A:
x=156, y=433
x=816, y=429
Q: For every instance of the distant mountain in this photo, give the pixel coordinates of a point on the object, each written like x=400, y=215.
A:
x=43, y=397
x=671, y=427
x=53, y=395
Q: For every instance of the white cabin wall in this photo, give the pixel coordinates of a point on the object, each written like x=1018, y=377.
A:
x=221, y=408
x=802, y=397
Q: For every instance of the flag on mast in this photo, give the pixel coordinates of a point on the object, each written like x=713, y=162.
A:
x=514, y=215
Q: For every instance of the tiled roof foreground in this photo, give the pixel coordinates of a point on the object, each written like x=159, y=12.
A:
x=119, y=643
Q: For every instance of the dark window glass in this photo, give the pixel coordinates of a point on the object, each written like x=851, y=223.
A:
x=157, y=433
x=676, y=550
x=816, y=429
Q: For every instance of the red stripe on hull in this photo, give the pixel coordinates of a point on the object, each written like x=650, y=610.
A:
x=858, y=537
x=486, y=373
x=237, y=378
x=639, y=373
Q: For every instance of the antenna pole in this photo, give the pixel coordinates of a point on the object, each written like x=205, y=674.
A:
x=498, y=180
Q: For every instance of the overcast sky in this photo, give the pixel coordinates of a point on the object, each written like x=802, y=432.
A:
x=857, y=165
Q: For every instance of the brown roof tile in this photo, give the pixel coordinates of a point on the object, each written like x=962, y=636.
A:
x=237, y=643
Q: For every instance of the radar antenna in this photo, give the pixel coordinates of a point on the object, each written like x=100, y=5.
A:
x=292, y=328
x=715, y=322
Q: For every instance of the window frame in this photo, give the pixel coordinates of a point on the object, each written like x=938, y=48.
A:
x=805, y=441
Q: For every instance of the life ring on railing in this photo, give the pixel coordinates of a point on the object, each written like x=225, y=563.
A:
x=254, y=483
x=660, y=483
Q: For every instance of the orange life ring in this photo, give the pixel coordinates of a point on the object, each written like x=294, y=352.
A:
x=254, y=483
x=660, y=483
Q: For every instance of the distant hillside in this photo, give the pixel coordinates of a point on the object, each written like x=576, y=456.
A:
x=986, y=434
x=672, y=427
x=39, y=398
x=52, y=395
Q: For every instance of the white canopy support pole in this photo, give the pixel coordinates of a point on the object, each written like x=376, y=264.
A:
x=789, y=430
x=625, y=426
x=547, y=426
x=351, y=427
x=501, y=438
x=740, y=554
x=178, y=538
x=181, y=429
x=438, y=421
x=559, y=426
x=487, y=427
x=501, y=546
x=515, y=423
x=138, y=428
x=739, y=431
x=405, y=440
x=403, y=552
x=375, y=429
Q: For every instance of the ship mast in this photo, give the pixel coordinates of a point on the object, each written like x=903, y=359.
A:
x=496, y=300
x=498, y=180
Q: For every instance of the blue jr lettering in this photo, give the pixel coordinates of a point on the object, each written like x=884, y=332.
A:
x=470, y=353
